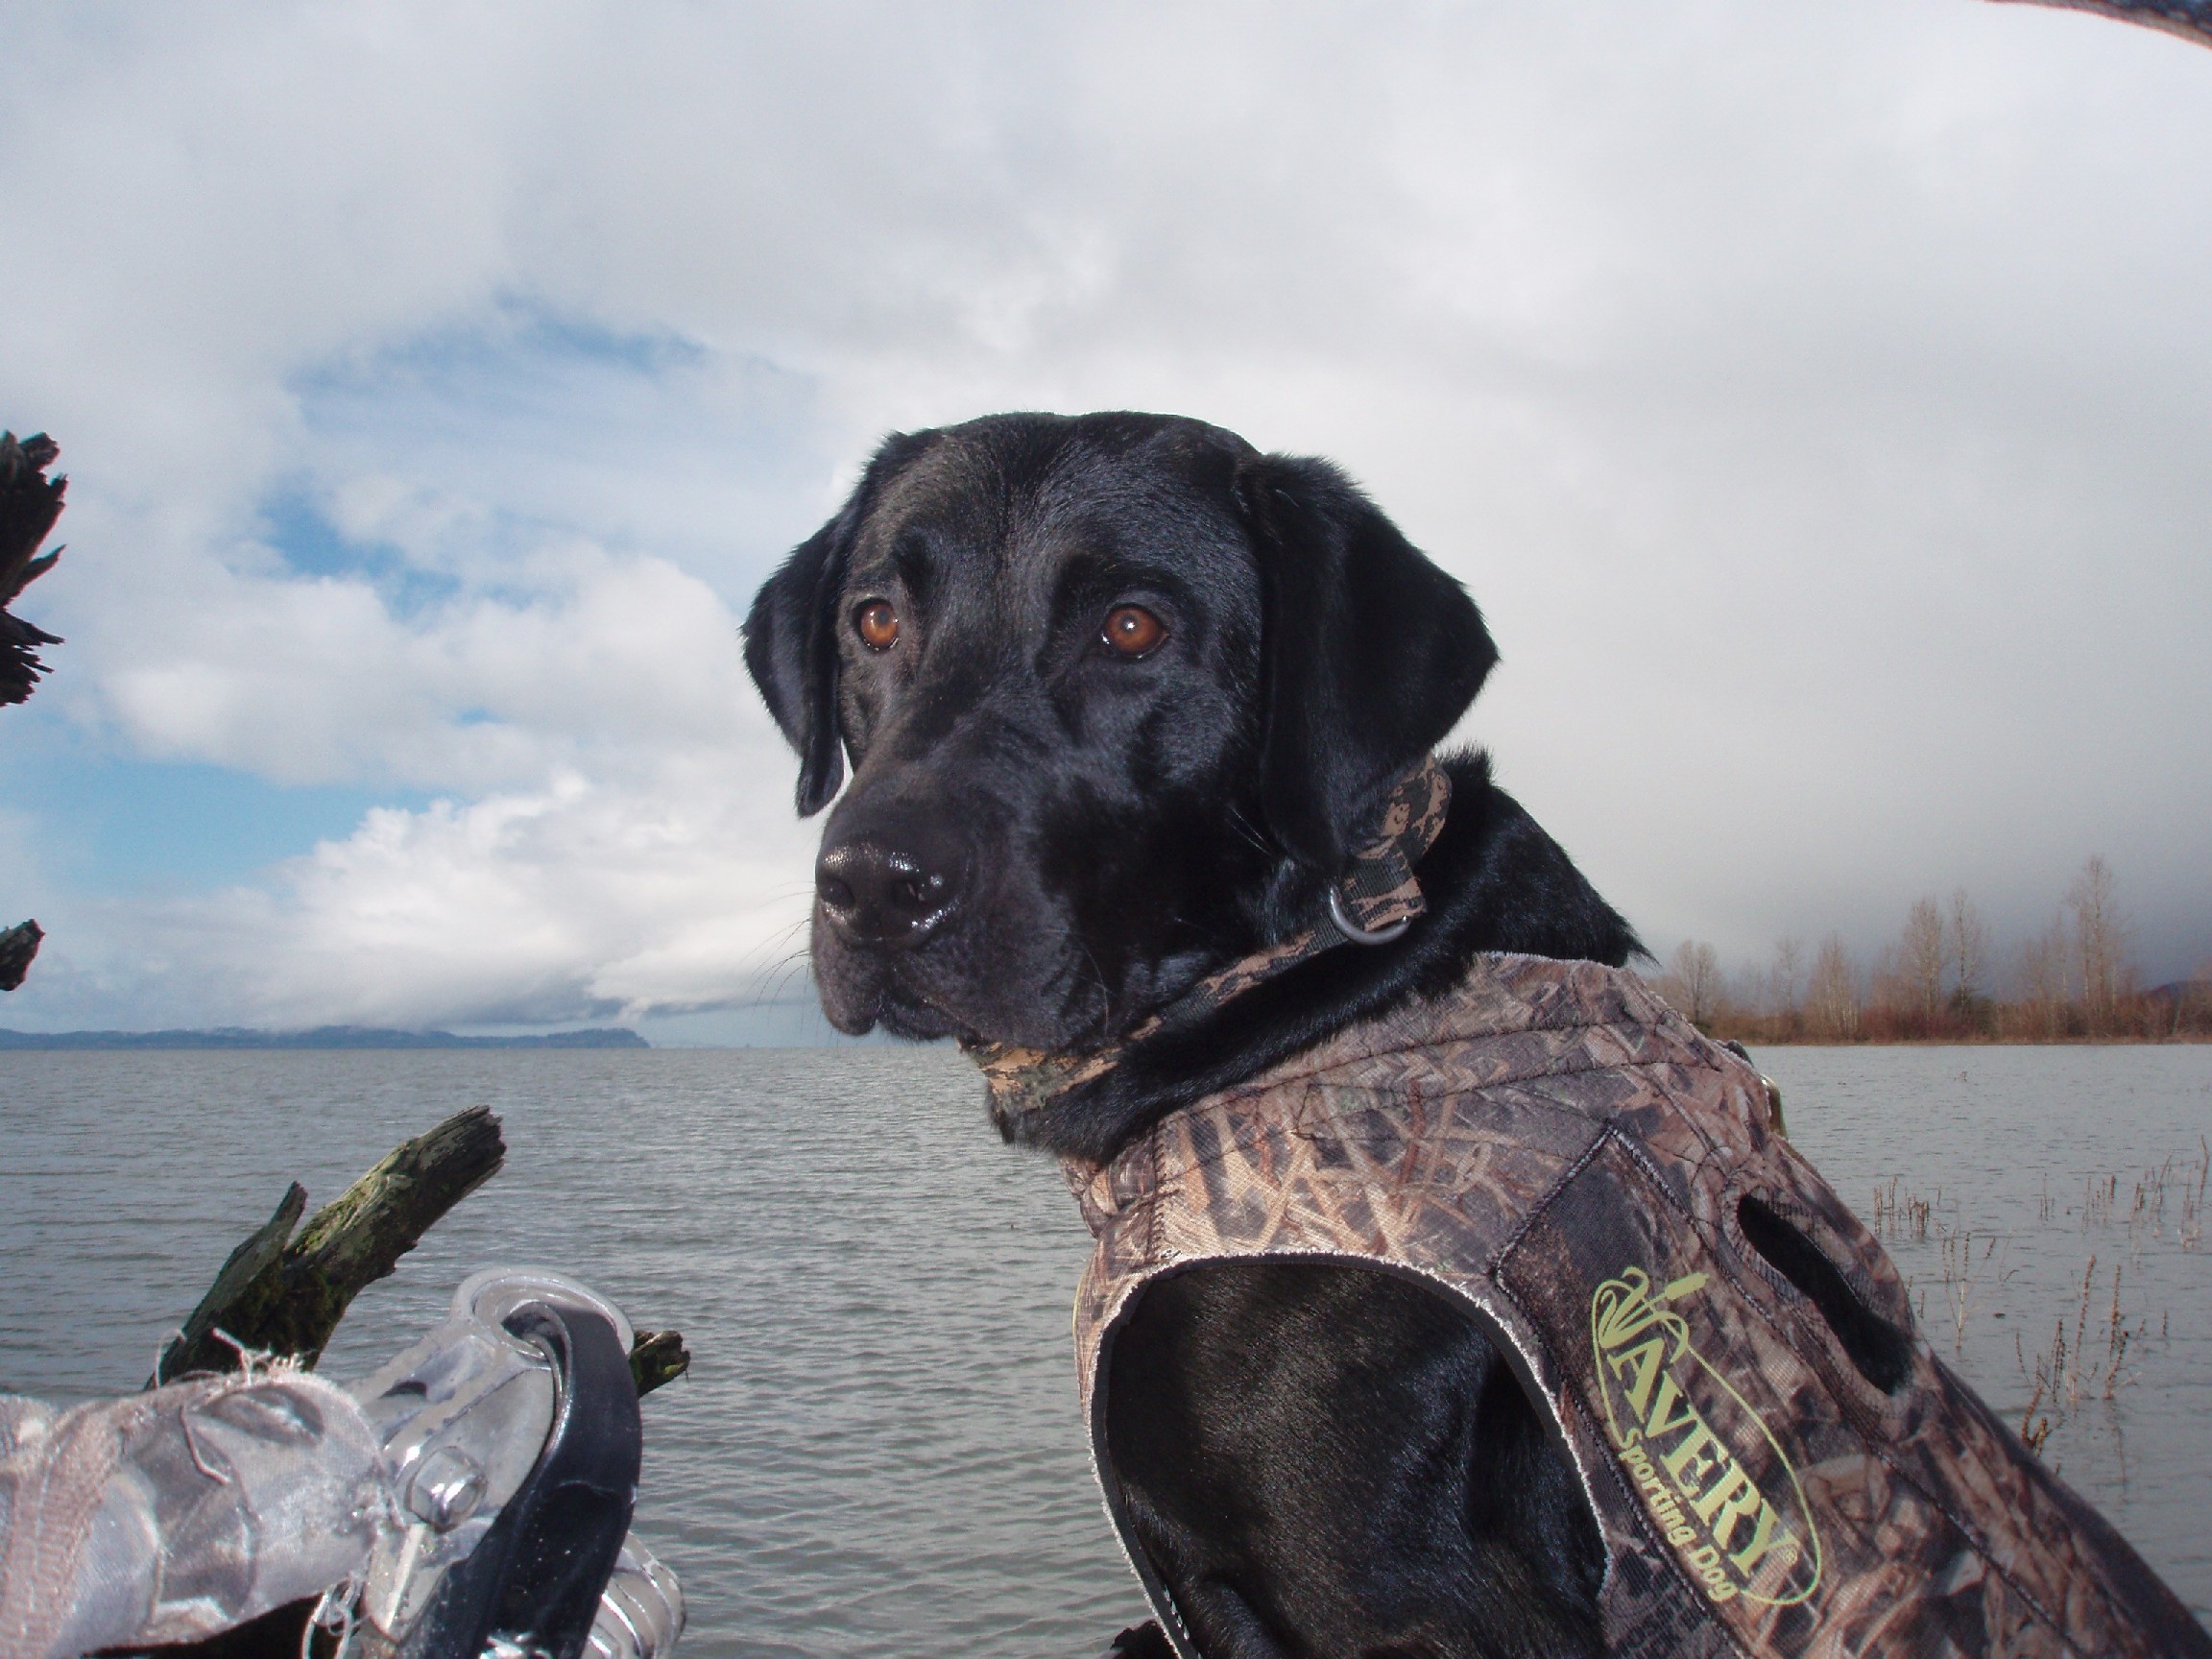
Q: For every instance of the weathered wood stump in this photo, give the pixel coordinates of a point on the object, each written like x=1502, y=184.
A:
x=284, y=1293
x=280, y=1295
x=658, y=1357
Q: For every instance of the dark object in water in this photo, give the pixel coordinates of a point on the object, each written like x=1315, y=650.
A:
x=280, y=1295
x=658, y=1357
x=18, y=944
x=283, y=1292
x=29, y=504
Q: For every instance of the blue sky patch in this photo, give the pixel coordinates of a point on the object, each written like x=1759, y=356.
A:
x=312, y=545
x=529, y=423
x=114, y=824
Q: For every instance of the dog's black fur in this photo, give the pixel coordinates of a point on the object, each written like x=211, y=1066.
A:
x=1045, y=842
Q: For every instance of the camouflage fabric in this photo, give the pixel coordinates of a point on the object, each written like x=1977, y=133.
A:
x=1564, y=1157
x=176, y=1514
x=1377, y=891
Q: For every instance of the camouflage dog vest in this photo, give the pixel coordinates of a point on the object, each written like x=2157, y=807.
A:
x=1566, y=1161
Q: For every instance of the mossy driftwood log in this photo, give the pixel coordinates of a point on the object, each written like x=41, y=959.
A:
x=283, y=1291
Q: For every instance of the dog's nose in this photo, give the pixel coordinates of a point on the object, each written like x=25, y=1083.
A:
x=875, y=891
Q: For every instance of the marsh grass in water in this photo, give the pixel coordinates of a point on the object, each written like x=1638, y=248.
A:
x=2087, y=1357
x=2046, y=1208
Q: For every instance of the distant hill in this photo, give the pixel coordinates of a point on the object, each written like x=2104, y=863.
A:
x=322, y=1037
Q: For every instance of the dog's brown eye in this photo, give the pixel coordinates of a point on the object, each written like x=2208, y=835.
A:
x=877, y=624
x=1133, y=631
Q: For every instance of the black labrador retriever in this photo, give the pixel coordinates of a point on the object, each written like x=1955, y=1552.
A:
x=1121, y=694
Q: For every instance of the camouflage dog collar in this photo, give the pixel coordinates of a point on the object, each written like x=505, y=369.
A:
x=1378, y=894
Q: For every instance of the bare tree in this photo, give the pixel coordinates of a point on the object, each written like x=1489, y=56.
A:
x=1691, y=982
x=2043, y=981
x=1969, y=947
x=2099, y=937
x=1832, y=994
x=1885, y=989
x=1787, y=977
x=2193, y=1008
x=1922, y=957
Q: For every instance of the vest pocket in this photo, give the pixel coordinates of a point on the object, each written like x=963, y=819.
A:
x=1878, y=1350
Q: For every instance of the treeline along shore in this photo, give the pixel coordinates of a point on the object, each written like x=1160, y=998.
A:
x=1944, y=980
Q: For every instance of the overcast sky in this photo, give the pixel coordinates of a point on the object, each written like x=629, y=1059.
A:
x=1817, y=398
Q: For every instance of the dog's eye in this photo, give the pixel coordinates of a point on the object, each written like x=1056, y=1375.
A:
x=877, y=624
x=1132, y=630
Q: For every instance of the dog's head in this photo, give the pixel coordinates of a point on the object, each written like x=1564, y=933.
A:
x=1120, y=693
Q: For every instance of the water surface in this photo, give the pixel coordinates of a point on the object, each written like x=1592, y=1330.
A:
x=876, y=1450
x=2004, y=1145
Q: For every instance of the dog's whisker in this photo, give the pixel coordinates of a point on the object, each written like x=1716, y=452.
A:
x=1248, y=831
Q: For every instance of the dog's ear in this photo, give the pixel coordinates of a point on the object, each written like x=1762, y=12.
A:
x=792, y=633
x=1371, y=653
x=791, y=649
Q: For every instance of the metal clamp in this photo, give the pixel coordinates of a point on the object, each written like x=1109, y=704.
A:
x=1357, y=934
x=513, y=1435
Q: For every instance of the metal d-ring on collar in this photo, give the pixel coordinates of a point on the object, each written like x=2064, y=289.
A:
x=1357, y=934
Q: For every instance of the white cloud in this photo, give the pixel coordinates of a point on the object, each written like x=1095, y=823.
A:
x=581, y=900
x=681, y=887
x=317, y=680
x=1812, y=396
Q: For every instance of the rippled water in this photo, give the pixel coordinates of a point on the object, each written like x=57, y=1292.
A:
x=877, y=1449
x=2004, y=1144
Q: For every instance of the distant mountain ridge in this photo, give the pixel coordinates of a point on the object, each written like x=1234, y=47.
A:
x=322, y=1037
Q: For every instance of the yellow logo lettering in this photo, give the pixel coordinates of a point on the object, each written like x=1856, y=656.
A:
x=1646, y=1357
x=1768, y=1537
x=1667, y=1407
x=1669, y=1412
x=1731, y=1499
x=1698, y=1451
